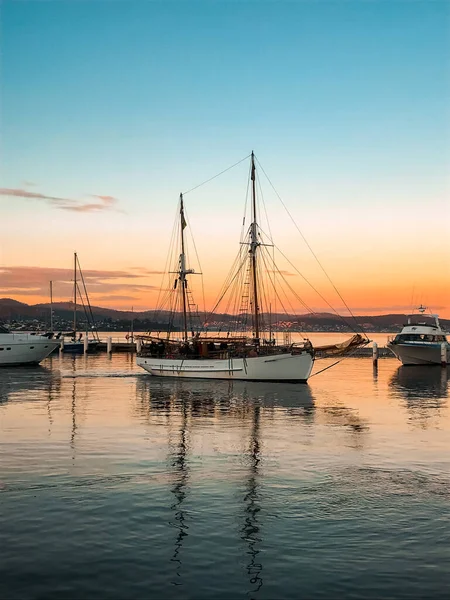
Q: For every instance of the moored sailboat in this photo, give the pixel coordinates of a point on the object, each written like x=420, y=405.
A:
x=235, y=357
x=74, y=342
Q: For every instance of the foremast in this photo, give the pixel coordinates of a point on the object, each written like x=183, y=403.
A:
x=74, y=295
x=183, y=271
x=254, y=244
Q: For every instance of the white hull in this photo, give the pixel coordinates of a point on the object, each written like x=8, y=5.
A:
x=23, y=349
x=419, y=354
x=276, y=367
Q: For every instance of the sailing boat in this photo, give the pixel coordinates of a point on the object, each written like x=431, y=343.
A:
x=237, y=357
x=74, y=342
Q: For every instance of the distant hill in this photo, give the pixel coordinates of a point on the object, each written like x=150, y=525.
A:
x=12, y=309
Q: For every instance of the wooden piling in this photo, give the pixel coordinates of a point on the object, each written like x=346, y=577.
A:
x=375, y=354
x=443, y=354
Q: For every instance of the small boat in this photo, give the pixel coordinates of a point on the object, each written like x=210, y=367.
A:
x=421, y=341
x=24, y=348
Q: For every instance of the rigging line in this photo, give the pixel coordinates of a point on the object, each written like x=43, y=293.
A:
x=310, y=249
x=304, y=278
x=335, y=363
x=168, y=259
x=258, y=181
x=280, y=300
x=218, y=175
x=198, y=259
x=293, y=311
x=87, y=299
x=243, y=233
x=224, y=292
x=320, y=295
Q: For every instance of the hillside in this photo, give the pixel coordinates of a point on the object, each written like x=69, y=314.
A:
x=11, y=309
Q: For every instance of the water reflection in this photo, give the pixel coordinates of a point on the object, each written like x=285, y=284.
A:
x=424, y=390
x=251, y=531
x=222, y=399
x=180, y=471
x=22, y=380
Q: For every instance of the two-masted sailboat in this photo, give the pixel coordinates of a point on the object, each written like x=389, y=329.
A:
x=239, y=355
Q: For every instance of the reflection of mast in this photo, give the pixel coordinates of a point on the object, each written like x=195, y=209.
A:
x=181, y=472
x=251, y=527
x=73, y=409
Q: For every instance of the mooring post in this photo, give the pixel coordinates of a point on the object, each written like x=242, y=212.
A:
x=443, y=354
x=138, y=345
x=375, y=354
x=61, y=346
x=86, y=343
x=109, y=345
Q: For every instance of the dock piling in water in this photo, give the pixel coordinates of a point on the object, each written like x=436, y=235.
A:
x=443, y=354
x=375, y=354
x=109, y=345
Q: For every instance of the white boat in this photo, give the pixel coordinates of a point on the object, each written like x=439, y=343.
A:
x=24, y=348
x=421, y=341
x=236, y=357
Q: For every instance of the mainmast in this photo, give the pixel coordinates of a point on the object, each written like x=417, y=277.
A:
x=74, y=295
x=254, y=243
x=183, y=272
x=51, y=306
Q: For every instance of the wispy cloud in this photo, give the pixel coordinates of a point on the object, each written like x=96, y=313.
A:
x=106, y=202
x=34, y=281
x=18, y=193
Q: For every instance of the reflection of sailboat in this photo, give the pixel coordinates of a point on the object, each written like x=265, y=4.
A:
x=238, y=356
x=423, y=389
x=236, y=396
x=251, y=530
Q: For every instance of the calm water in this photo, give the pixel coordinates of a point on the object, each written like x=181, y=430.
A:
x=116, y=485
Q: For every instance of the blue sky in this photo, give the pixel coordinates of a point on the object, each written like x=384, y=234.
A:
x=345, y=103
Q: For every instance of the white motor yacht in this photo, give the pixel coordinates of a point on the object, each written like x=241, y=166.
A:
x=421, y=340
x=24, y=348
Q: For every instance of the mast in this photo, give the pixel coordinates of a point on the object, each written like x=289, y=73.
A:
x=132, y=324
x=183, y=271
x=74, y=295
x=51, y=306
x=253, y=250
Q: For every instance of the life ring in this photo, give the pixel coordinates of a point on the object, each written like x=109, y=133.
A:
x=127, y=337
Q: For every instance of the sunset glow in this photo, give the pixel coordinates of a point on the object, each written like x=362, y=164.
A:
x=344, y=104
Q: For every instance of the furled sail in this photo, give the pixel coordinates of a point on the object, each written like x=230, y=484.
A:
x=356, y=341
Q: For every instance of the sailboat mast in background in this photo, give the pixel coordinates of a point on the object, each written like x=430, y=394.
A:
x=74, y=295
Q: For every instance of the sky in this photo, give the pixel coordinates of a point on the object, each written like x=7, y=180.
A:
x=110, y=109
